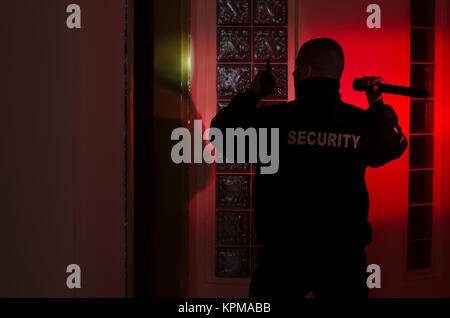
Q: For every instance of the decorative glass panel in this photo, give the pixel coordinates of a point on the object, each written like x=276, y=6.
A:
x=419, y=254
x=422, y=13
x=281, y=80
x=232, y=79
x=270, y=44
x=264, y=33
x=222, y=105
x=256, y=257
x=233, y=192
x=254, y=236
x=233, y=262
x=419, y=222
x=422, y=116
x=233, y=12
x=420, y=187
x=270, y=12
x=232, y=167
x=233, y=228
x=234, y=45
x=422, y=76
x=422, y=45
x=421, y=152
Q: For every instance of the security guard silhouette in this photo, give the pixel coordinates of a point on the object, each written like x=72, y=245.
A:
x=311, y=216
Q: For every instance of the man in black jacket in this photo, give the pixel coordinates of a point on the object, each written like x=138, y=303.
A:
x=311, y=216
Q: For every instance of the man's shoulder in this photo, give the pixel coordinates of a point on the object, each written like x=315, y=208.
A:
x=349, y=109
x=275, y=107
x=274, y=114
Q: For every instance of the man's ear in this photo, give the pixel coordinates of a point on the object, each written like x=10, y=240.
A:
x=308, y=71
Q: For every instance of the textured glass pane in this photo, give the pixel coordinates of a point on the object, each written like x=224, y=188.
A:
x=234, y=45
x=270, y=12
x=270, y=43
x=421, y=152
x=422, y=45
x=420, y=187
x=281, y=80
x=233, y=192
x=422, y=116
x=222, y=105
x=256, y=257
x=232, y=167
x=422, y=76
x=419, y=254
x=419, y=222
x=232, y=79
x=254, y=236
x=233, y=12
x=422, y=13
x=233, y=228
x=233, y=262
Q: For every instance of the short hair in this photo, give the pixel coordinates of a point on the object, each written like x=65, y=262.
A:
x=325, y=56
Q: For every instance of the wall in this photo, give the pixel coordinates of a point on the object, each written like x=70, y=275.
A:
x=441, y=223
x=62, y=155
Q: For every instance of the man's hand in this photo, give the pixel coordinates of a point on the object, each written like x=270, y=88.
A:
x=373, y=93
x=262, y=85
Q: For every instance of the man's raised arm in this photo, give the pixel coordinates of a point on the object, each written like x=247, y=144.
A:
x=386, y=140
x=240, y=113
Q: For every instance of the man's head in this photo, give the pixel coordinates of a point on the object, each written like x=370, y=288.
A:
x=319, y=58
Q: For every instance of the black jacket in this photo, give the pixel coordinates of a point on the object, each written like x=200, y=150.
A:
x=318, y=197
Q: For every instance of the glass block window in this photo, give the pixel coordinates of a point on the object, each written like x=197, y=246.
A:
x=248, y=33
x=233, y=192
x=422, y=76
x=422, y=13
x=422, y=116
x=232, y=79
x=233, y=12
x=270, y=12
x=233, y=167
x=422, y=45
x=419, y=222
x=233, y=228
x=233, y=45
x=233, y=262
x=419, y=254
x=270, y=43
x=421, y=150
x=280, y=72
x=221, y=105
x=420, y=187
